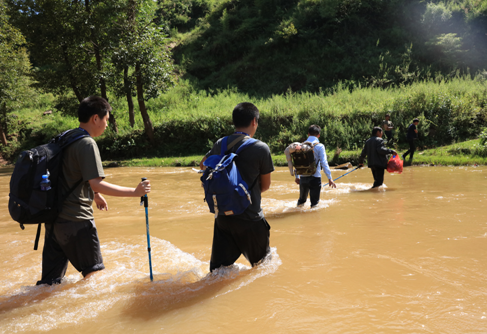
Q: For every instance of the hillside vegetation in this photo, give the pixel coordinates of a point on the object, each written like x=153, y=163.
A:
x=174, y=70
x=187, y=122
x=269, y=46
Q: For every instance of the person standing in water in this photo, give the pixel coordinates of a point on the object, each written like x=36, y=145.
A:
x=73, y=236
x=311, y=184
x=387, y=126
x=376, y=153
x=247, y=233
x=412, y=135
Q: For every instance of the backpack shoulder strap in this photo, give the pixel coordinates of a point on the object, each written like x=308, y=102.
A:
x=236, y=140
x=65, y=142
x=246, y=144
x=223, y=147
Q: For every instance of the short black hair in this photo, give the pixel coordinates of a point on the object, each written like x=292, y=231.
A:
x=415, y=120
x=388, y=115
x=244, y=113
x=93, y=105
x=314, y=130
x=375, y=130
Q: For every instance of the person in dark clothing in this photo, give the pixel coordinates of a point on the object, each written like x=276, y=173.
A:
x=247, y=233
x=376, y=153
x=411, y=137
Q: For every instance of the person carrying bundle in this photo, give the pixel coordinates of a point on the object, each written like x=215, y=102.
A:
x=376, y=153
x=305, y=161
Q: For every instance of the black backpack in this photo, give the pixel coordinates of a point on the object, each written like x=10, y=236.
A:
x=28, y=204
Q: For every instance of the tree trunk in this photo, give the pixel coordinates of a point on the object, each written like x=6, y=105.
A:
x=72, y=80
x=128, y=92
x=3, y=138
x=149, y=129
x=103, y=86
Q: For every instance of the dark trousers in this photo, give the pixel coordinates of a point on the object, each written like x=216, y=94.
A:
x=309, y=185
x=76, y=242
x=378, y=174
x=233, y=236
x=388, y=136
x=411, y=150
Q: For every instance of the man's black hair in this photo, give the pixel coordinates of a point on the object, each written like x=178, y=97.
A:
x=375, y=130
x=314, y=130
x=415, y=120
x=243, y=114
x=388, y=115
x=93, y=105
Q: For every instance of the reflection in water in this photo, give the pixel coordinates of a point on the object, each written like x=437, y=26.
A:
x=407, y=257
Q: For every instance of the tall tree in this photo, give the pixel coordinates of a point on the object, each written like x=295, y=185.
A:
x=14, y=70
x=71, y=43
x=142, y=50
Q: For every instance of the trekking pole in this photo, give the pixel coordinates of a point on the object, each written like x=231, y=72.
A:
x=145, y=200
x=346, y=173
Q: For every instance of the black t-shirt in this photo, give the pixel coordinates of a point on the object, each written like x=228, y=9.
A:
x=411, y=133
x=252, y=162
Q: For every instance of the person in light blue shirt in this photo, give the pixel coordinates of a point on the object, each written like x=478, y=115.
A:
x=311, y=184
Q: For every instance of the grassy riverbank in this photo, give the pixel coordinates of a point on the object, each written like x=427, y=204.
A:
x=187, y=122
x=460, y=154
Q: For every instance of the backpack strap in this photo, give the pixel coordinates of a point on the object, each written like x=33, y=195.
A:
x=236, y=140
x=63, y=142
x=38, y=235
x=225, y=148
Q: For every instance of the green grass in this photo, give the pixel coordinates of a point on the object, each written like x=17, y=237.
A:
x=187, y=121
x=459, y=154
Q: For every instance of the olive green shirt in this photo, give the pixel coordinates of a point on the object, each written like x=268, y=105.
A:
x=81, y=162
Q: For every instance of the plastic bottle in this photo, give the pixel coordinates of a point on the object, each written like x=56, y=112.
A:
x=45, y=183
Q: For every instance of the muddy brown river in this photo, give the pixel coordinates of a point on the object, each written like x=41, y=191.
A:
x=409, y=258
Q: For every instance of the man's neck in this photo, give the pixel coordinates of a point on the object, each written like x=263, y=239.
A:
x=247, y=130
x=86, y=127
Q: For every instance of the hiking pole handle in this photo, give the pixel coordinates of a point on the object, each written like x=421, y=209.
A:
x=144, y=199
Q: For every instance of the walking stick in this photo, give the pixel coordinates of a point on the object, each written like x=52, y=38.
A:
x=346, y=173
x=145, y=200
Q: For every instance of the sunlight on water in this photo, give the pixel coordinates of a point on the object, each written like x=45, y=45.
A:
x=407, y=257
x=179, y=277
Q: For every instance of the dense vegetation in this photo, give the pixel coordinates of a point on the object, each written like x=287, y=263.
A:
x=449, y=111
x=341, y=64
x=270, y=46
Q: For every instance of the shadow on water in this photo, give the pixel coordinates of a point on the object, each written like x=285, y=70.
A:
x=31, y=295
x=153, y=299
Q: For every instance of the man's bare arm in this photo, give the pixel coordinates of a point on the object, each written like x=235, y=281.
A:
x=265, y=182
x=100, y=186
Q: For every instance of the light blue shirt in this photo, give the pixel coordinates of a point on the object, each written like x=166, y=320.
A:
x=320, y=159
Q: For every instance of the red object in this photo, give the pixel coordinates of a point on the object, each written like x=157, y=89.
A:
x=395, y=165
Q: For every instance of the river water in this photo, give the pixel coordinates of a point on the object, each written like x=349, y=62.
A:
x=409, y=258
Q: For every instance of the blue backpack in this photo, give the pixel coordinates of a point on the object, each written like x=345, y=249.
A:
x=226, y=193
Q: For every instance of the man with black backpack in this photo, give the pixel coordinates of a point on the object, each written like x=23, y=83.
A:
x=246, y=233
x=73, y=236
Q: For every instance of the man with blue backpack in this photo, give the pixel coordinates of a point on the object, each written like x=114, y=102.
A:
x=238, y=170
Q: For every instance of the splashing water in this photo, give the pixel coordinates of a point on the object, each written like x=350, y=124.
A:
x=180, y=278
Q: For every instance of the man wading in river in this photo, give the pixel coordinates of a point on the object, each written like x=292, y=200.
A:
x=376, y=153
x=247, y=233
x=73, y=236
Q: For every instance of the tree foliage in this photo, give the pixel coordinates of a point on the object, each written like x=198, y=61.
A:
x=271, y=46
x=14, y=70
